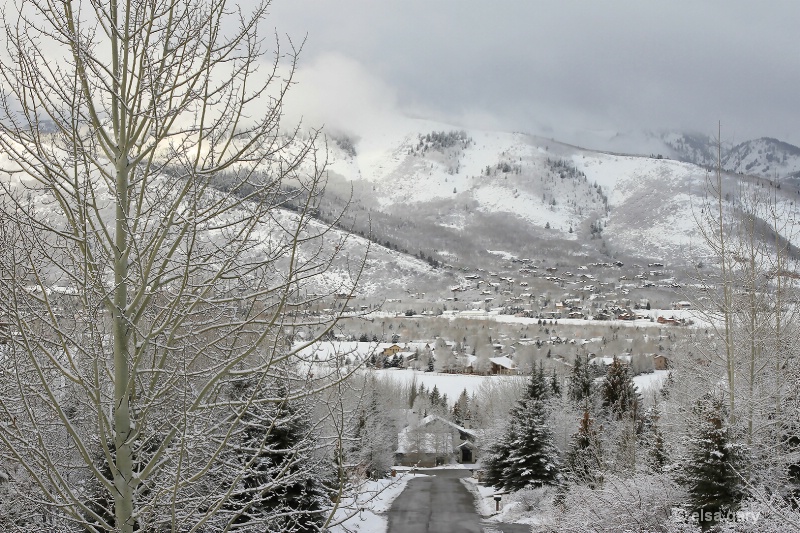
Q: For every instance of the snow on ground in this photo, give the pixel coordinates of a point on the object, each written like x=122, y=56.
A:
x=488, y=147
x=366, y=513
x=695, y=316
x=494, y=198
x=505, y=255
x=450, y=384
x=620, y=175
x=484, y=496
x=511, y=512
x=656, y=379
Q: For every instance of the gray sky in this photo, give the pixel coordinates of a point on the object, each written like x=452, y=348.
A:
x=572, y=70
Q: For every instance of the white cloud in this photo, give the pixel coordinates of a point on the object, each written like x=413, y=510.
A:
x=341, y=94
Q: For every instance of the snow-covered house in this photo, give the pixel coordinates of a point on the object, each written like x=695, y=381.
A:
x=623, y=359
x=435, y=441
x=660, y=362
x=503, y=365
x=389, y=350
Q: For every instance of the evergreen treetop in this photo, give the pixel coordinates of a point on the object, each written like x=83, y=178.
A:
x=714, y=470
x=580, y=386
x=618, y=391
x=526, y=455
x=584, y=459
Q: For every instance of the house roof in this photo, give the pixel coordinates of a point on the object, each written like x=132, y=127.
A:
x=416, y=439
x=504, y=362
x=606, y=361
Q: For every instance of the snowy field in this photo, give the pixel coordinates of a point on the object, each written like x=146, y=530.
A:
x=654, y=380
x=697, y=317
x=450, y=384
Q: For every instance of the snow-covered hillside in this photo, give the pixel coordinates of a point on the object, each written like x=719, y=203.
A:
x=764, y=157
x=385, y=271
x=520, y=193
x=420, y=193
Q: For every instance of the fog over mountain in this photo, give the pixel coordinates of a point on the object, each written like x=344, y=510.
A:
x=591, y=75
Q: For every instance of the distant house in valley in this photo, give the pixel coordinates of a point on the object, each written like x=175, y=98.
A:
x=390, y=350
x=660, y=362
x=435, y=441
x=502, y=365
x=607, y=361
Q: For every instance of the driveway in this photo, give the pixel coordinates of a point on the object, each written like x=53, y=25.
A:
x=441, y=504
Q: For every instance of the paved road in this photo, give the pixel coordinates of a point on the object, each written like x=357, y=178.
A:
x=441, y=504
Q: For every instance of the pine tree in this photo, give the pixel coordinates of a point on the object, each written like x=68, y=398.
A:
x=581, y=385
x=461, y=408
x=618, y=392
x=373, y=437
x=278, y=442
x=533, y=459
x=655, y=451
x=435, y=397
x=584, y=459
x=668, y=385
x=713, y=469
x=496, y=460
x=458, y=416
x=526, y=455
x=555, y=386
x=538, y=389
x=412, y=392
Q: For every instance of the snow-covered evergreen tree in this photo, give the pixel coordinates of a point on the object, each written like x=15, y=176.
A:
x=461, y=409
x=714, y=468
x=581, y=385
x=654, y=447
x=584, y=459
x=435, y=397
x=373, y=442
x=284, y=487
x=555, y=385
x=526, y=455
x=618, y=392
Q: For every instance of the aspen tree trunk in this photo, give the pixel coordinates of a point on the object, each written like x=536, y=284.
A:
x=161, y=221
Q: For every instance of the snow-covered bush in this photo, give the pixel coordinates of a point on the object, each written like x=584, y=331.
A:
x=643, y=502
x=533, y=499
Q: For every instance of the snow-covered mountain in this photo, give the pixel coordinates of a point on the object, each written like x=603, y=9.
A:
x=765, y=157
x=426, y=193
x=467, y=196
x=385, y=271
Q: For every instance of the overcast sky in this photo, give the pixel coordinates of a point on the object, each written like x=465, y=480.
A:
x=565, y=69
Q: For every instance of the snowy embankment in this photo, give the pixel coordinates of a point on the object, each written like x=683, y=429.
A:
x=511, y=512
x=366, y=513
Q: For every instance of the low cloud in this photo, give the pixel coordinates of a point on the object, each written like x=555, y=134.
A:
x=340, y=94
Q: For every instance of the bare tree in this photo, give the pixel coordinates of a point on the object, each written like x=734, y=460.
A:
x=752, y=315
x=158, y=247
